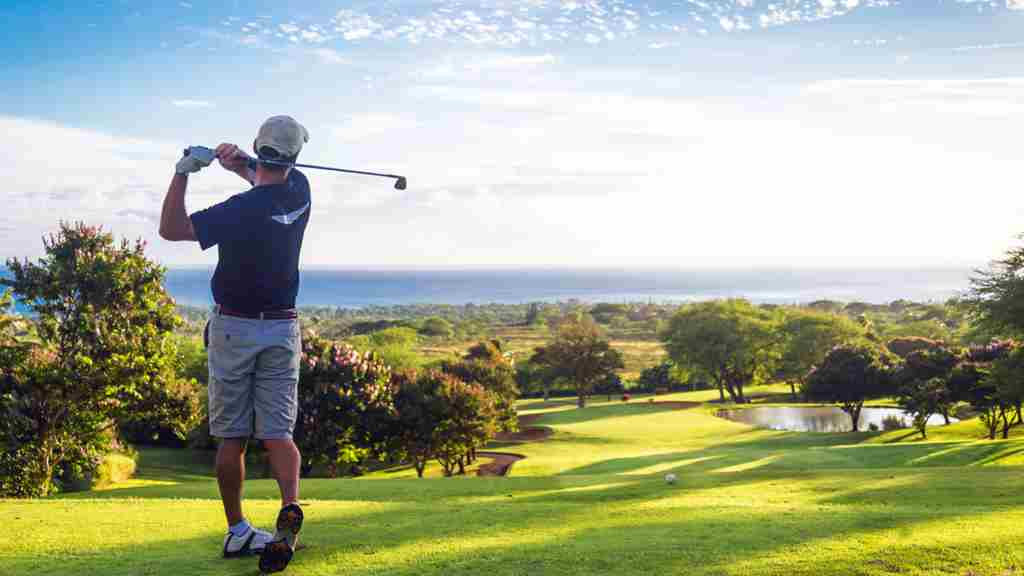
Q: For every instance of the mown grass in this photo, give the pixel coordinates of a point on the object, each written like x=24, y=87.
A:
x=589, y=500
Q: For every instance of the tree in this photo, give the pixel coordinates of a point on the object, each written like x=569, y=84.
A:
x=435, y=326
x=661, y=376
x=418, y=413
x=604, y=313
x=1001, y=394
x=849, y=375
x=731, y=341
x=996, y=297
x=904, y=346
x=7, y=320
x=485, y=364
x=345, y=406
x=532, y=377
x=105, y=355
x=533, y=314
x=807, y=337
x=924, y=398
x=580, y=354
x=488, y=352
x=439, y=416
x=925, y=365
x=611, y=385
x=395, y=345
x=467, y=423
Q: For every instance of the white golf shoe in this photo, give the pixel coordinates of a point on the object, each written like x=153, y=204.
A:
x=250, y=543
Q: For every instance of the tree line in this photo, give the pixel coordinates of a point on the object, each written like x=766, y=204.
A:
x=101, y=362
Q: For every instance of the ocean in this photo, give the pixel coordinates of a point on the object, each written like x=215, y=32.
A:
x=361, y=288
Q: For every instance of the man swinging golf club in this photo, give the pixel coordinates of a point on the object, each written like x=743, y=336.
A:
x=253, y=336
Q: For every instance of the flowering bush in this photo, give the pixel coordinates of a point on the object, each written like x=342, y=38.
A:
x=485, y=364
x=994, y=350
x=346, y=403
x=440, y=416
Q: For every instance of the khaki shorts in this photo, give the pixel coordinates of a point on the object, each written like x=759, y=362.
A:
x=254, y=377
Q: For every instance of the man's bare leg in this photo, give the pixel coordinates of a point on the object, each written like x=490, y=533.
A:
x=230, y=475
x=285, y=461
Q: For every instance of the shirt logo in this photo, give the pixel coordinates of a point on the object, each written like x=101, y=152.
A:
x=290, y=217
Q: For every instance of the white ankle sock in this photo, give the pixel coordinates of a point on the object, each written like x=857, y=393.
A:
x=240, y=529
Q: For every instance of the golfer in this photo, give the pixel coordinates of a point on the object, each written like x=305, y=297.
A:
x=253, y=335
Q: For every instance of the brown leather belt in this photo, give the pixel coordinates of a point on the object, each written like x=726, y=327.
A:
x=267, y=315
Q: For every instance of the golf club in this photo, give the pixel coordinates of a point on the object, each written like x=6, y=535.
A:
x=400, y=182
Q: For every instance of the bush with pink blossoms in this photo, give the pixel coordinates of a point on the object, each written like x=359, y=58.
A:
x=346, y=405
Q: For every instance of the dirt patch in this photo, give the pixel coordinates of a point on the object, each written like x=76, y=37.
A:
x=500, y=464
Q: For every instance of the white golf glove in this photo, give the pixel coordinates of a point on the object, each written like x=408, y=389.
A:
x=195, y=159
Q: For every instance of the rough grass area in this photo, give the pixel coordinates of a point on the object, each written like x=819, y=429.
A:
x=589, y=500
x=639, y=351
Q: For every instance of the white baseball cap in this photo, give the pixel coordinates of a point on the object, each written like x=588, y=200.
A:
x=283, y=135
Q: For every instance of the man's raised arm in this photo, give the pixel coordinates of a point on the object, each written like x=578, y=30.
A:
x=175, y=224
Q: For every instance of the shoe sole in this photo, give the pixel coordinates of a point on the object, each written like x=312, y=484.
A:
x=278, y=552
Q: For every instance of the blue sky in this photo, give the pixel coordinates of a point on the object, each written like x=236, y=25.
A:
x=808, y=133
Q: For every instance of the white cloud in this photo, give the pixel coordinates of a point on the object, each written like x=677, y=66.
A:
x=313, y=36
x=980, y=97
x=508, y=62
x=329, y=56
x=366, y=126
x=192, y=104
x=116, y=181
x=992, y=46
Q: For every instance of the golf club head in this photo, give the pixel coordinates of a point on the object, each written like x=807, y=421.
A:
x=400, y=184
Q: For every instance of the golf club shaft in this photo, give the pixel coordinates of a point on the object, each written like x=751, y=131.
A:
x=314, y=166
x=400, y=182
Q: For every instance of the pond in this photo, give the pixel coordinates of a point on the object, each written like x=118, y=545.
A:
x=817, y=418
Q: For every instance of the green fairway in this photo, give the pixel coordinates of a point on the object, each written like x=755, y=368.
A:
x=591, y=499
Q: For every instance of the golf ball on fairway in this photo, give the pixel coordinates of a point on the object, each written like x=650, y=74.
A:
x=670, y=478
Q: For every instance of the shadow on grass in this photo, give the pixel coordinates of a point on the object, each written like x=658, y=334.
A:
x=590, y=526
x=817, y=452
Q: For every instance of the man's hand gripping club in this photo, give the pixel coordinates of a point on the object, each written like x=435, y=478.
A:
x=175, y=225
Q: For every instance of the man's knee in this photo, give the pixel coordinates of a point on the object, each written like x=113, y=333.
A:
x=230, y=446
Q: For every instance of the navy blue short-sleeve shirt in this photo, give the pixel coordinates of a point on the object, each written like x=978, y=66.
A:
x=259, y=237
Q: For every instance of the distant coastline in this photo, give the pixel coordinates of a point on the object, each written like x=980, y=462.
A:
x=362, y=288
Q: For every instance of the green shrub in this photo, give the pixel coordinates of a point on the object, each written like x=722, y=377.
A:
x=436, y=326
x=103, y=356
x=113, y=468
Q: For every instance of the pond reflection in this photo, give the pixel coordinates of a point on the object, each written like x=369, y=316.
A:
x=818, y=418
